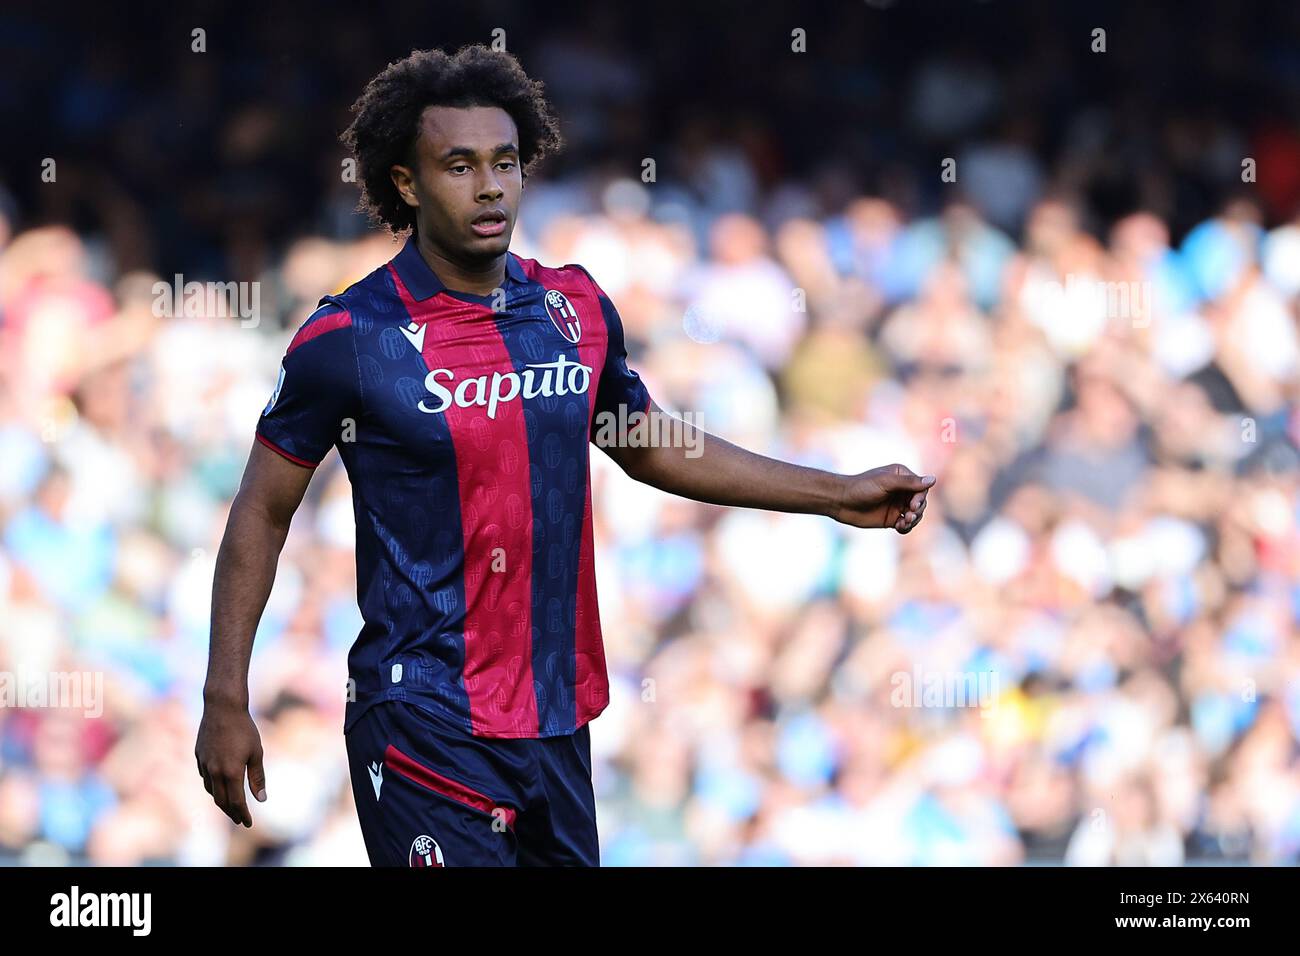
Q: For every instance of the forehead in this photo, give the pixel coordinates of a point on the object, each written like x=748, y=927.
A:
x=481, y=128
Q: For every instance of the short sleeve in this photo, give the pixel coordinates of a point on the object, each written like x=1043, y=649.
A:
x=317, y=389
x=619, y=384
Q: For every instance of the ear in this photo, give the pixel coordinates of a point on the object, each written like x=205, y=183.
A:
x=404, y=180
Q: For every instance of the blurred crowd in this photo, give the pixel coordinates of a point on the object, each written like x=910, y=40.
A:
x=1110, y=558
x=1114, y=539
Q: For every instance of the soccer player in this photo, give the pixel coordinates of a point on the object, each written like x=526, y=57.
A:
x=462, y=386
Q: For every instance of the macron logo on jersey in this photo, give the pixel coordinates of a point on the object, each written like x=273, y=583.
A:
x=415, y=335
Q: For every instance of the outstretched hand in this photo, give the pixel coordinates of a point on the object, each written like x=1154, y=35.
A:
x=890, y=496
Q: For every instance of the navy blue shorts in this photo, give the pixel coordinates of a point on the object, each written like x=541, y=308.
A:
x=430, y=794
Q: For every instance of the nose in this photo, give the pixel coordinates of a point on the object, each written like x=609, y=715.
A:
x=491, y=189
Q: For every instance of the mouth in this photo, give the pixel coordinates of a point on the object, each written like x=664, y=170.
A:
x=489, y=223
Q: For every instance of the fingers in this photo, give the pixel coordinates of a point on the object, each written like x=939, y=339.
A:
x=219, y=793
x=257, y=777
x=921, y=482
x=920, y=485
x=227, y=792
x=912, y=517
x=238, y=810
x=901, y=479
x=235, y=806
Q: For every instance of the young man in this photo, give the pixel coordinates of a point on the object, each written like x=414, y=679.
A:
x=461, y=386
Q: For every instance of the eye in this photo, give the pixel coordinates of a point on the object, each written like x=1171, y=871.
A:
x=506, y=162
x=459, y=166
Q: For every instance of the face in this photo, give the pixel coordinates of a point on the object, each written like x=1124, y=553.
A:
x=468, y=165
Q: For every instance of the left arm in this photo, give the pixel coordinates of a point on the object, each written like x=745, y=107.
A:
x=721, y=473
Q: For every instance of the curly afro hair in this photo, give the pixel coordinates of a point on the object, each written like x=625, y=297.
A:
x=384, y=130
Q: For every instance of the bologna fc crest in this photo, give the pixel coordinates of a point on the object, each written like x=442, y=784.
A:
x=425, y=852
x=563, y=315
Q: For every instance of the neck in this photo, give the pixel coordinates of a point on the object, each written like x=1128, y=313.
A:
x=458, y=277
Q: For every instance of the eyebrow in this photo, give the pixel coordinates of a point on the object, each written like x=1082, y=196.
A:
x=467, y=151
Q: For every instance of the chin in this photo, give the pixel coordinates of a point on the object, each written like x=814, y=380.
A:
x=493, y=245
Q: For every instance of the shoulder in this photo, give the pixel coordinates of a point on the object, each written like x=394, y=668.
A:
x=568, y=278
x=575, y=269
x=330, y=315
x=357, y=306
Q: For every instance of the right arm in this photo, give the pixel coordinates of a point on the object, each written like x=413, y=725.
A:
x=318, y=388
x=228, y=741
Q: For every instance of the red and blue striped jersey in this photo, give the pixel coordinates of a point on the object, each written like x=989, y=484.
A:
x=465, y=423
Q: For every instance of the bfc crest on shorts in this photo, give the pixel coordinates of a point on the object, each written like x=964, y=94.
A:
x=425, y=852
x=563, y=316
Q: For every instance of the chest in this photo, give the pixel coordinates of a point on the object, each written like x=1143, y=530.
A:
x=466, y=384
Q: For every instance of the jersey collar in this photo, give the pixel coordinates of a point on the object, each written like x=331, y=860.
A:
x=422, y=282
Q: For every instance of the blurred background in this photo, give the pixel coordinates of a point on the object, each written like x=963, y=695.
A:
x=1113, y=546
